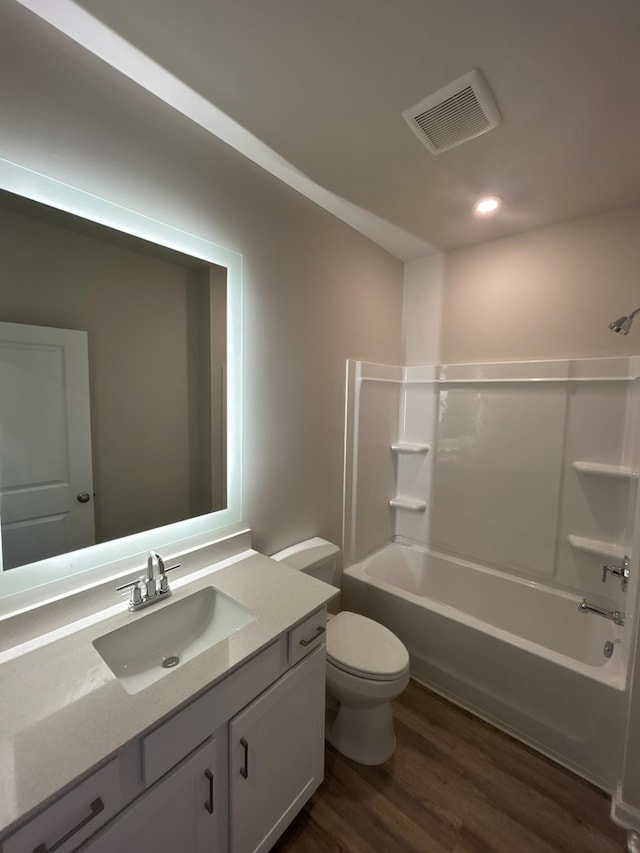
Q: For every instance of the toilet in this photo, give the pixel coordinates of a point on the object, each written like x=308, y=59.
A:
x=367, y=665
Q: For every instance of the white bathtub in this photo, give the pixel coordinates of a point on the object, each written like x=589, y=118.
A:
x=517, y=653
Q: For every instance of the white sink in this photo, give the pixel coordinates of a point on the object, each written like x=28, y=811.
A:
x=160, y=641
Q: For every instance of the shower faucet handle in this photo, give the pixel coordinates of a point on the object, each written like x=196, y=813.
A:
x=623, y=572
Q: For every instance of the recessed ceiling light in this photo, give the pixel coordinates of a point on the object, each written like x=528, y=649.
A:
x=487, y=205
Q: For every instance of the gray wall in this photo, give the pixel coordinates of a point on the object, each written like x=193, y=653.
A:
x=544, y=294
x=316, y=292
x=549, y=293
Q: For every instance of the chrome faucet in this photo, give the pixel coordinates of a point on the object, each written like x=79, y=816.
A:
x=150, y=587
x=623, y=572
x=616, y=616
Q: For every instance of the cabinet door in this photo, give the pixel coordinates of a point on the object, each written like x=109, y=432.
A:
x=176, y=814
x=276, y=755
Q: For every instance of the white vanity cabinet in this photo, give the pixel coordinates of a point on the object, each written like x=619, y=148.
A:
x=178, y=813
x=276, y=755
x=227, y=771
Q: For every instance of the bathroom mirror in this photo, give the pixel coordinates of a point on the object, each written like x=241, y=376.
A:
x=120, y=370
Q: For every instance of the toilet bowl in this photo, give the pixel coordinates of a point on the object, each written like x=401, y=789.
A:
x=367, y=666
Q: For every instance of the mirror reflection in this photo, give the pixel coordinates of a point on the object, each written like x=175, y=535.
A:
x=112, y=384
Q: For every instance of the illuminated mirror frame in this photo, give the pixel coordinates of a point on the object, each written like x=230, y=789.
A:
x=23, y=587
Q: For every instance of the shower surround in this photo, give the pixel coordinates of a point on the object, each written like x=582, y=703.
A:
x=509, y=485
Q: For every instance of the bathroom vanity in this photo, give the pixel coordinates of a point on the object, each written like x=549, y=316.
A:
x=216, y=754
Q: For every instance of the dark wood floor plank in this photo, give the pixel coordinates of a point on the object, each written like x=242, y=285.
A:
x=481, y=787
x=325, y=829
x=455, y=785
x=393, y=819
x=524, y=781
x=406, y=790
x=474, y=795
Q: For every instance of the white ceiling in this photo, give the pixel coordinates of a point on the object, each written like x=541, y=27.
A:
x=323, y=83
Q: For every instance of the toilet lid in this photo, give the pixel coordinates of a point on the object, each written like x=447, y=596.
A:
x=360, y=645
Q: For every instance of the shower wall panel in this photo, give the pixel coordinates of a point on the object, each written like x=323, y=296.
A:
x=528, y=467
x=498, y=471
x=373, y=401
x=414, y=471
x=596, y=506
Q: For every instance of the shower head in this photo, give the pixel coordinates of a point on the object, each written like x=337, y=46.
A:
x=623, y=324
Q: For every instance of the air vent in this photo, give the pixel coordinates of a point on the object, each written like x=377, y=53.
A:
x=454, y=114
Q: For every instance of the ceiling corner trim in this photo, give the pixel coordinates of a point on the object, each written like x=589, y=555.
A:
x=83, y=28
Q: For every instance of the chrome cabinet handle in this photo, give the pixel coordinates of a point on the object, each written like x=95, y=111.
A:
x=96, y=807
x=209, y=804
x=244, y=770
x=319, y=632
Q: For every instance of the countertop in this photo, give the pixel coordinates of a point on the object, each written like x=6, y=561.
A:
x=62, y=711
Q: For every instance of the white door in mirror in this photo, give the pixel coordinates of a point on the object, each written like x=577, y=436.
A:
x=46, y=484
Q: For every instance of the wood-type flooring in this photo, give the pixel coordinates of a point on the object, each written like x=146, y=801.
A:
x=454, y=785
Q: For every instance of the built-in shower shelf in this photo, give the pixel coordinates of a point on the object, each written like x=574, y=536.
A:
x=617, y=472
x=597, y=547
x=412, y=504
x=409, y=447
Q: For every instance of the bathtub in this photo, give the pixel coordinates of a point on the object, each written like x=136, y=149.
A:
x=514, y=652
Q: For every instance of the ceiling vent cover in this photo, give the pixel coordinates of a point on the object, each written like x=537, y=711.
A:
x=454, y=114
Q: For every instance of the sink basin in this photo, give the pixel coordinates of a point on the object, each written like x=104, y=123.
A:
x=155, y=644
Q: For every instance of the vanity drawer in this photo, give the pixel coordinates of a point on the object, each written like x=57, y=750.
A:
x=73, y=817
x=171, y=741
x=307, y=635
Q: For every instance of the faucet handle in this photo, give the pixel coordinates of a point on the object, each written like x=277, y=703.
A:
x=623, y=572
x=164, y=583
x=134, y=583
x=135, y=598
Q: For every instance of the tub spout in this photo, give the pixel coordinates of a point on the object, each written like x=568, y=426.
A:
x=616, y=616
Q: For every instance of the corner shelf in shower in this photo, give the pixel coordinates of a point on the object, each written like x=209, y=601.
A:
x=412, y=504
x=409, y=447
x=616, y=472
x=596, y=547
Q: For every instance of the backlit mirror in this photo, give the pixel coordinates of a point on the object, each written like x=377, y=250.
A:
x=119, y=382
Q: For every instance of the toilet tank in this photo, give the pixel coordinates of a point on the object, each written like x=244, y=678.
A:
x=315, y=557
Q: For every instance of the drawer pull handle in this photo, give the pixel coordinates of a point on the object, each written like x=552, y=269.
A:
x=209, y=804
x=97, y=806
x=319, y=632
x=244, y=770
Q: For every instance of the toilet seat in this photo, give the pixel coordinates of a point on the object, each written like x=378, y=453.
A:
x=364, y=648
x=365, y=676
